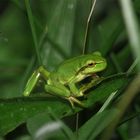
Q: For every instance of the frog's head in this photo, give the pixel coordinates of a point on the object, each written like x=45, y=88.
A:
x=94, y=63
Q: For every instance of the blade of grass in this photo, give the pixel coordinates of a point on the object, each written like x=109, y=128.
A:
x=132, y=90
x=122, y=105
x=131, y=27
x=31, y=21
x=41, y=128
x=107, y=102
x=65, y=129
x=42, y=37
x=87, y=26
x=135, y=138
x=131, y=68
x=96, y=124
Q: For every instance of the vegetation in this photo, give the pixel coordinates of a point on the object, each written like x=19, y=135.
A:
x=44, y=32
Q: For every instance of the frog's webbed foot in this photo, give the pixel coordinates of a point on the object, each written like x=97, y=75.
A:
x=73, y=100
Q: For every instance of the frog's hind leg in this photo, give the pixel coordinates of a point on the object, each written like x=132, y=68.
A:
x=41, y=71
x=58, y=89
x=61, y=91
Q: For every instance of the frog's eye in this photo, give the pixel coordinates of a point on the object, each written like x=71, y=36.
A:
x=91, y=64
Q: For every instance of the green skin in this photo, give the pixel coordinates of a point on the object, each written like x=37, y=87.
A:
x=62, y=82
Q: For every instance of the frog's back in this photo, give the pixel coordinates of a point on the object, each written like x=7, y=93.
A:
x=71, y=65
x=69, y=68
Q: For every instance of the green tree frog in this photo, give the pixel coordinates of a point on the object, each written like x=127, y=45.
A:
x=62, y=82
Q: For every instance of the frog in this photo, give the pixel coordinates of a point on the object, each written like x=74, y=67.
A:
x=63, y=80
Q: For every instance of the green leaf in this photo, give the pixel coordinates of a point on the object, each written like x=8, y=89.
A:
x=105, y=88
x=18, y=110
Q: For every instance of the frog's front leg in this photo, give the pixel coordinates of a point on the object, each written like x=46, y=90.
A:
x=41, y=71
x=75, y=91
x=63, y=92
x=96, y=80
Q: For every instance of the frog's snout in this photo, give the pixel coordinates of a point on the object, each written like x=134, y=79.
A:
x=101, y=64
x=104, y=64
